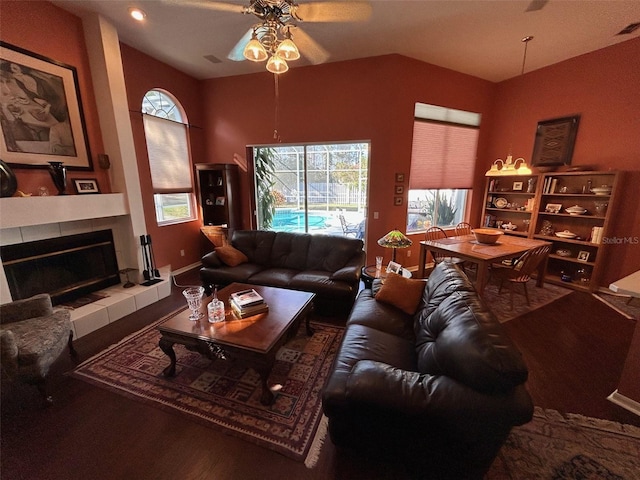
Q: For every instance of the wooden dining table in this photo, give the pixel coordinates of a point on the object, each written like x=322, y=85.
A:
x=467, y=248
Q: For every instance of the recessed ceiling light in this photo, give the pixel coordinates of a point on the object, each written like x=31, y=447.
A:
x=137, y=14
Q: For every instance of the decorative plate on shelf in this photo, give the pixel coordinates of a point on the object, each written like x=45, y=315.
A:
x=500, y=202
x=563, y=252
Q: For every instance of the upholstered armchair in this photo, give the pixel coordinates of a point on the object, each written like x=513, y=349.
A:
x=32, y=337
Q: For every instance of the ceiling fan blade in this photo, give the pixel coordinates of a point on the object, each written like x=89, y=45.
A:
x=237, y=52
x=536, y=5
x=334, y=11
x=221, y=6
x=308, y=46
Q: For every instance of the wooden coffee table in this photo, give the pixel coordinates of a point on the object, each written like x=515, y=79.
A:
x=253, y=341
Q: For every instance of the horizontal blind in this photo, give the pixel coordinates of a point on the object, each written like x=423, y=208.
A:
x=442, y=156
x=168, y=155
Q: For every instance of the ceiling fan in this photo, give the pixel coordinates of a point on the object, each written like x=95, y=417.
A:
x=272, y=38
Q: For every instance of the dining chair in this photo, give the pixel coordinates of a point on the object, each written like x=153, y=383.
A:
x=463, y=228
x=521, y=270
x=436, y=233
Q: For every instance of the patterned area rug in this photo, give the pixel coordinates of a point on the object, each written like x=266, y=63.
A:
x=556, y=446
x=224, y=394
x=500, y=303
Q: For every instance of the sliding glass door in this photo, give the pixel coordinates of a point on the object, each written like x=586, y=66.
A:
x=312, y=188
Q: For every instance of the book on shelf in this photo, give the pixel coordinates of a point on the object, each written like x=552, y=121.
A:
x=247, y=298
x=248, y=311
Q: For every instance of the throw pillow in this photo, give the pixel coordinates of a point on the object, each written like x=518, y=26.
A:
x=231, y=256
x=403, y=293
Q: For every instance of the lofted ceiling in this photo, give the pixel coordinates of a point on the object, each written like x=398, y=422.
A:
x=478, y=37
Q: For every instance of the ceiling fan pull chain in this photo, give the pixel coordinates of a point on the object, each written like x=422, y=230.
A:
x=276, y=135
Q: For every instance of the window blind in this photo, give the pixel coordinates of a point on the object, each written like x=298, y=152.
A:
x=168, y=151
x=442, y=156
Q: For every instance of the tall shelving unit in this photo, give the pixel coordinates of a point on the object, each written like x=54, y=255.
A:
x=510, y=199
x=581, y=258
x=538, y=210
x=219, y=195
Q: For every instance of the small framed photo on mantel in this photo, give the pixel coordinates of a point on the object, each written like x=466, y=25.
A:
x=86, y=185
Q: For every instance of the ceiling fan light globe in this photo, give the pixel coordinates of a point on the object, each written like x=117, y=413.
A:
x=254, y=51
x=277, y=65
x=288, y=50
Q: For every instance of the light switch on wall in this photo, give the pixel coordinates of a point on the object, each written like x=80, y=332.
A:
x=375, y=215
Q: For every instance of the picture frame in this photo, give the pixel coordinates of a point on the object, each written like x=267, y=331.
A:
x=86, y=186
x=399, y=177
x=517, y=186
x=220, y=200
x=394, y=267
x=553, y=208
x=42, y=116
x=399, y=189
x=554, y=141
x=397, y=201
x=583, y=256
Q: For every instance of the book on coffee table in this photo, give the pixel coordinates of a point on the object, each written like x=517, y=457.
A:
x=248, y=311
x=247, y=298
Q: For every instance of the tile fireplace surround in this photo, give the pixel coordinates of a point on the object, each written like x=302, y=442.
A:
x=35, y=218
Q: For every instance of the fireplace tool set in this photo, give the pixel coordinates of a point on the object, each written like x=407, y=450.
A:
x=151, y=273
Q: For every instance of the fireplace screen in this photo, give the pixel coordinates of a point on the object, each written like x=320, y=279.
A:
x=64, y=267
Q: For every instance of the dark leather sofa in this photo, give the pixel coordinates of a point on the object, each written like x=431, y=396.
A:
x=327, y=265
x=439, y=390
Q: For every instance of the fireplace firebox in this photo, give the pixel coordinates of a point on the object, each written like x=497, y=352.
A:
x=66, y=268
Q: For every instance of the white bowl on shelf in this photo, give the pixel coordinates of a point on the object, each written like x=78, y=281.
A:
x=603, y=190
x=576, y=210
x=566, y=234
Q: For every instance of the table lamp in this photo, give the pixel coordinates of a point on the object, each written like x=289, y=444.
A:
x=394, y=239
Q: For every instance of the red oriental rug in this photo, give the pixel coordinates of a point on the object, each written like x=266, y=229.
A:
x=226, y=395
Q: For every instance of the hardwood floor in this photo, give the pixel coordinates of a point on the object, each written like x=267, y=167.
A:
x=575, y=349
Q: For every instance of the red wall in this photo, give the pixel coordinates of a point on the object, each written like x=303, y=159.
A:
x=142, y=73
x=602, y=87
x=56, y=34
x=368, y=99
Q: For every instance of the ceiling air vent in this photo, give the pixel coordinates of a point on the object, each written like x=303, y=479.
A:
x=213, y=59
x=632, y=27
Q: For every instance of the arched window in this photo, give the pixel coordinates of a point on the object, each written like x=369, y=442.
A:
x=165, y=129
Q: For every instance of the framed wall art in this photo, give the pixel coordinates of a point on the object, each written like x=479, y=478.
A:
x=554, y=141
x=41, y=112
x=583, y=256
x=86, y=185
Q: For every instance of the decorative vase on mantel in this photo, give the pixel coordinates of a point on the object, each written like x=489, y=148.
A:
x=59, y=175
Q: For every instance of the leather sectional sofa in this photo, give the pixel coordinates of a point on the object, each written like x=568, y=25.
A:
x=329, y=266
x=439, y=389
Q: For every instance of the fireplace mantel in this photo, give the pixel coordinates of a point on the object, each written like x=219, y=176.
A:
x=28, y=211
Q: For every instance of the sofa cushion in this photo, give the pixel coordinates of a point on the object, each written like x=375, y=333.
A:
x=231, y=256
x=381, y=316
x=321, y=283
x=463, y=340
x=290, y=250
x=331, y=253
x=274, y=277
x=365, y=343
x=255, y=244
x=403, y=293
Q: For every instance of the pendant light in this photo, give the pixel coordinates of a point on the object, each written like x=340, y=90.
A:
x=511, y=166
